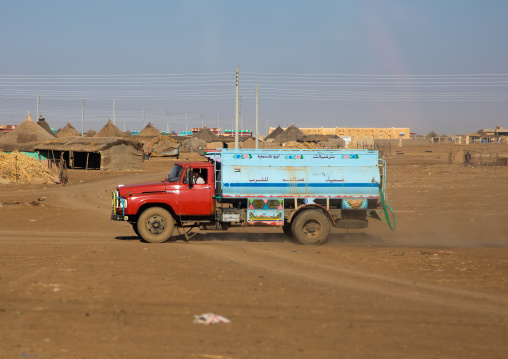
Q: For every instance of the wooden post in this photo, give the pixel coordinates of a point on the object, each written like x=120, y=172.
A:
x=87, y=155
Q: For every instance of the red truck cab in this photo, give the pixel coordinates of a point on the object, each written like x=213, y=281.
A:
x=157, y=206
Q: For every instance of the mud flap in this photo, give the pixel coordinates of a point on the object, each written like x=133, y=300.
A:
x=380, y=214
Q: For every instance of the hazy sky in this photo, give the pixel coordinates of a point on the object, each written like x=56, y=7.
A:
x=437, y=65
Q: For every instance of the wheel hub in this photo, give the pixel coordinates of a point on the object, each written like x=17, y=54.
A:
x=156, y=224
x=311, y=228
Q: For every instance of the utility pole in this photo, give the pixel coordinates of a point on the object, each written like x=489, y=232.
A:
x=38, y=101
x=237, y=104
x=240, y=112
x=218, y=125
x=167, y=121
x=257, y=118
x=114, y=112
x=82, y=115
x=186, y=124
x=202, y=123
x=144, y=122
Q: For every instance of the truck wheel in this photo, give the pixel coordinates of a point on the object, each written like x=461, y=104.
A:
x=155, y=225
x=311, y=227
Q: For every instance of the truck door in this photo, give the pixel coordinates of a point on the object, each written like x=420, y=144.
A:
x=197, y=201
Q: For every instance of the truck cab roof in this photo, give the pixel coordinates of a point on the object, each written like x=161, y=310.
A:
x=194, y=164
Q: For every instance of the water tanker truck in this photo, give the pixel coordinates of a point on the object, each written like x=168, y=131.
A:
x=305, y=192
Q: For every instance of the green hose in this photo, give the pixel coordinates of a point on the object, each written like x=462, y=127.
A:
x=386, y=207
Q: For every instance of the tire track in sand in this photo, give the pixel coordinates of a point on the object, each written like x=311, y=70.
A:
x=278, y=261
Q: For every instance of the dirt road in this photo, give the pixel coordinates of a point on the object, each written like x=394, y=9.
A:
x=73, y=284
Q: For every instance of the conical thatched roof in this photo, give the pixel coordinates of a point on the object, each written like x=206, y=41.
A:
x=431, y=134
x=292, y=133
x=206, y=135
x=109, y=130
x=42, y=122
x=67, y=131
x=149, y=131
x=24, y=136
x=274, y=133
x=90, y=133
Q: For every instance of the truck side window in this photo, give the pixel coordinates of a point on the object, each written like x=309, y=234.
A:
x=200, y=175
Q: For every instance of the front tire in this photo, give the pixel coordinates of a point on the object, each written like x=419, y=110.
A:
x=311, y=227
x=155, y=225
x=135, y=228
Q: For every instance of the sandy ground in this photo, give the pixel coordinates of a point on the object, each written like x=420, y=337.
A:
x=74, y=284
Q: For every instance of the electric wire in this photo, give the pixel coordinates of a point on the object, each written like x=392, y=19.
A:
x=62, y=95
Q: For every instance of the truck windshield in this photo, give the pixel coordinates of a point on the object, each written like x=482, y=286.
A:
x=176, y=172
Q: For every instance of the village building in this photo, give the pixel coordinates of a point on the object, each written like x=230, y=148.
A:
x=357, y=133
x=498, y=131
x=109, y=130
x=67, y=131
x=42, y=122
x=215, y=130
x=103, y=154
x=25, y=137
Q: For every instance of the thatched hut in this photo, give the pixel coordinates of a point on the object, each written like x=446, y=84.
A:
x=292, y=133
x=250, y=143
x=109, y=130
x=24, y=137
x=42, y=122
x=274, y=133
x=95, y=153
x=149, y=131
x=90, y=133
x=67, y=131
x=206, y=135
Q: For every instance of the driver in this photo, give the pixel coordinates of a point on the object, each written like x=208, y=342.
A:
x=197, y=178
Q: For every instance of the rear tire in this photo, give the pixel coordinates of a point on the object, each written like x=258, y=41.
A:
x=155, y=225
x=311, y=227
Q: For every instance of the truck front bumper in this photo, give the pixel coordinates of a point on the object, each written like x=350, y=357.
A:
x=118, y=206
x=119, y=217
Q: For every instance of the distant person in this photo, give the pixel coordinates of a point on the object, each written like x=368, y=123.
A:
x=467, y=159
x=197, y=178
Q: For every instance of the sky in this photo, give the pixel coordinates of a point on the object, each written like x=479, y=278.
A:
x=430, y=65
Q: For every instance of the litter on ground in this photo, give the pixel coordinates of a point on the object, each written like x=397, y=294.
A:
x=210, y=318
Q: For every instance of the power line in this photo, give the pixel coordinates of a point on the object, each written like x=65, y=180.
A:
x=61, y=95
